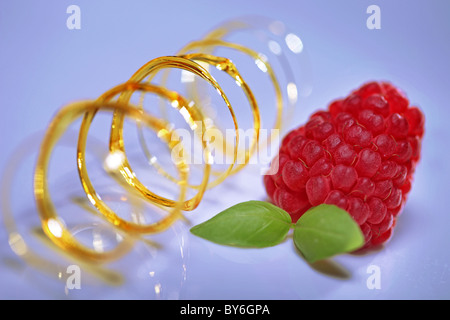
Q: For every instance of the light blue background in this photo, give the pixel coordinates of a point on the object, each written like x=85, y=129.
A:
x=43, y=66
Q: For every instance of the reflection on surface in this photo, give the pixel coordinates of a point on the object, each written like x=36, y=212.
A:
x=55, y=227
x=41, y=256
x=292, y=92
x=17, y=244
x=277, y=28
x=114, y=160
x=274, y=47
x=262, y=62
x=294, y=43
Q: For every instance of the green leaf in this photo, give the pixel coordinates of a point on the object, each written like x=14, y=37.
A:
x=325, y=231
x=247, y=224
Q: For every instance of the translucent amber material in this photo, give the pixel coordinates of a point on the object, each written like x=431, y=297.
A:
x=191, y=59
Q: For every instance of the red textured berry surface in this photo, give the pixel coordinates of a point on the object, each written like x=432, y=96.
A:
x=359, y=155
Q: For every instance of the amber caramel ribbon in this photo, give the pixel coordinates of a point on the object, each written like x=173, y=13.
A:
x=192, y=59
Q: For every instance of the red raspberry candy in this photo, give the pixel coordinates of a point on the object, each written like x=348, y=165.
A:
x=359, y=155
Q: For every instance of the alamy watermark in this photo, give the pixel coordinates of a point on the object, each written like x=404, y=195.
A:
x=73, y=280
x=73, y=21
x=238, y=147
x=374, y=20
x=374, y=279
